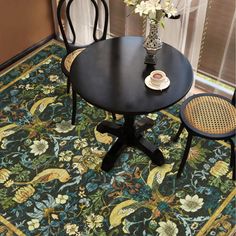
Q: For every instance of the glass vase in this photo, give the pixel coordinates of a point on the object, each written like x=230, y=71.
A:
x=152, y=44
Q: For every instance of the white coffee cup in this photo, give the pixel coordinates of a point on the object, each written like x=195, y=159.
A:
x=157, y=77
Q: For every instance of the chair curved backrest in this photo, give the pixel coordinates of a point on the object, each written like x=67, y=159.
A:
x=64, y=6
x=234, y=97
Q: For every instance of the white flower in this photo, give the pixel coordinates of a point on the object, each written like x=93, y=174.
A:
x=72, y=229
x=94, y=221
x=53, y=78
x=191, y=204
x=168, y=228
x=25, y=77
x=48, y=89
x=164, y=138
x=64, y=126
x=29, y=86
x=165, y=153
x=80, y=143
x=61, y=199
x=152, y=116
x=152, y=6
x=47, y=62
x=155, y=10
x=33, y=224
x=84, y=202
x=39, y=147
x=4, y=143
x=169, y=9
x=141, y=8
x=65, y=156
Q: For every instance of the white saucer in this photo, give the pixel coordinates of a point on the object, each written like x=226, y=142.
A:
x=162, y=86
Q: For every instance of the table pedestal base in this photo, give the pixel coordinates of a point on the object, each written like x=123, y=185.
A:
x=129, y=135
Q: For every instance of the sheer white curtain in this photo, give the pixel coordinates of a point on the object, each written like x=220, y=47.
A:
x=82, y=16
x=185, y=33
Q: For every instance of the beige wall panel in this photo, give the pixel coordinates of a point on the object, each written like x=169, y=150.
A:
x=23, y=23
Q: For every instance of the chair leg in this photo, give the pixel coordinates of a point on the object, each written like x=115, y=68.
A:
x=68, y=86
x=185, y=156
x=113, y=116
x=74, y=103
x=176, y=137
x=232, y=158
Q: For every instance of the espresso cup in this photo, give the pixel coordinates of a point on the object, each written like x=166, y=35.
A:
x=157, y=77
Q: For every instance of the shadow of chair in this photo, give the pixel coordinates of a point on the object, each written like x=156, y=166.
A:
x=209, y=116
x=68, y=32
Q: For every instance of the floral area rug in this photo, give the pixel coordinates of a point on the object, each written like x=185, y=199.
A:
x=50, y=177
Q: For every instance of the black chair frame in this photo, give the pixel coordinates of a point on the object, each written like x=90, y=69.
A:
x=70, y=46
x=194, y=132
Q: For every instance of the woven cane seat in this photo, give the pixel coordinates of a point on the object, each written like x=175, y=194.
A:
x=210, y=115
x=71, y=57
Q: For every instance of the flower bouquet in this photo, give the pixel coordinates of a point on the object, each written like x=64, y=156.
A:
x=154, y=11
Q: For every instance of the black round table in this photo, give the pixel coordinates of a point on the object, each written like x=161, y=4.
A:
x=110, y=75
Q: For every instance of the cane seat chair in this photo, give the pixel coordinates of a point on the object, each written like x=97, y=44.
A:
x=72, y=50
x=66, y=25
x=209, y=116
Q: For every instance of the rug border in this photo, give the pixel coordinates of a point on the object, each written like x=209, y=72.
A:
x=216, y=213
x=201, y=232
x=6, y=70
x=10, y=226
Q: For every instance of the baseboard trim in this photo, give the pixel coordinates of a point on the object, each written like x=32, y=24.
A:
x=22, y=54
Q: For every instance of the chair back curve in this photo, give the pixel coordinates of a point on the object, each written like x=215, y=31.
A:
x=234, y=97
x=64, y=18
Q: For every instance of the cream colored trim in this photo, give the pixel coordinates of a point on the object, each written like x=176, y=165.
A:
x=10, y=226
x=170, y=115
x=206, y=227
x=56, y=57
x=24, y=74
x=233, y=232
x=52, y=41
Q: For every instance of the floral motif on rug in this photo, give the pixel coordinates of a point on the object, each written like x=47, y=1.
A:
x=50, y=177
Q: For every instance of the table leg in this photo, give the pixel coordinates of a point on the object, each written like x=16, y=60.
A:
x=151, y=150
x=129, y=135
x=109, y=127
x=143, y=124
x=111, y=156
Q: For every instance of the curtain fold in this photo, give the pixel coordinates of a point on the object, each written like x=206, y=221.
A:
x=82, y=16
x=185, y=32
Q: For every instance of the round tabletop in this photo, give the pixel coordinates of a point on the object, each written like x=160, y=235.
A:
x=110, y=74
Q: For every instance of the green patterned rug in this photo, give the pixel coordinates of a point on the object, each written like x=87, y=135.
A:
x=50, y=177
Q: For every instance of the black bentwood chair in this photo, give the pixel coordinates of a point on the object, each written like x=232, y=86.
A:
x=73, y=50
x=208, y=116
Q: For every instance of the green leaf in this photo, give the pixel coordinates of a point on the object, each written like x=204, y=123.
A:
x=3, y=193
x=226, y=186
x=215, y=181
x=23, y=176
x=7, y=203
x=16, y=169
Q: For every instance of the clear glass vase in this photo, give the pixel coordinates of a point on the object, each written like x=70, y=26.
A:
x=152, y=44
